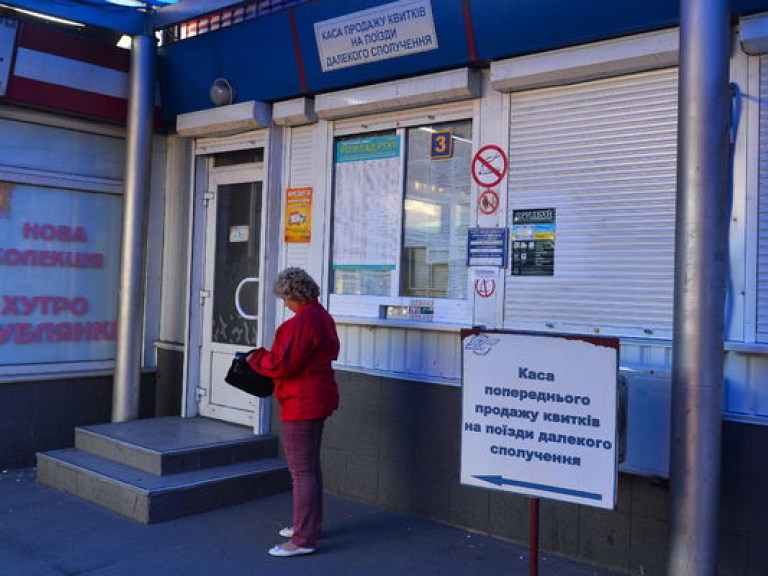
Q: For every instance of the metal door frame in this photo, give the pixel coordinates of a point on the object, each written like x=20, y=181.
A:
x=243, y=409
x=200, y=177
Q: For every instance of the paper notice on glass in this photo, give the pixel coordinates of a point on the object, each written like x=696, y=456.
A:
x=368, y=196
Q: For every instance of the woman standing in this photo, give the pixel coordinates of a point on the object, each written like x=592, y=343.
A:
x=300, y=365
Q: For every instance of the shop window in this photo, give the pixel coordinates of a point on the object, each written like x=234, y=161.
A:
x=401, y=212
x=66, y=151
x=59, y=256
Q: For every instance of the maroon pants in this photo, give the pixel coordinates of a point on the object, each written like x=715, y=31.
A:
x=301, y=440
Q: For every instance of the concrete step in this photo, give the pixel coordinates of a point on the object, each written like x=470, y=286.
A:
x=163, y=468
x=172, y=445
x=150, y=498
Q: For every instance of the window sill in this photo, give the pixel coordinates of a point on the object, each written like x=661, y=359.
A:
x=406, y=324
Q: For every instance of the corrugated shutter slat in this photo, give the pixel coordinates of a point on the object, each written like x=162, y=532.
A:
x=762, y=261
x=603, y=154
x=301, y=171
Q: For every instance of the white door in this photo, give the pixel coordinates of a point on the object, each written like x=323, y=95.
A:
x=233, y=292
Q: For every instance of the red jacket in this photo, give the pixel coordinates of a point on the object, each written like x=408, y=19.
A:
x=300, y=364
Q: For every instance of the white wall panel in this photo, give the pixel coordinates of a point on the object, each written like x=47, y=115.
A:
x=301, y=170
x=646, y=355
x=603, y=154
x=400, y=352
x=746, y=395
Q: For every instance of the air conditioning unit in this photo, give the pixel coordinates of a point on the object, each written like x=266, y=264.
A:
x=647, y=431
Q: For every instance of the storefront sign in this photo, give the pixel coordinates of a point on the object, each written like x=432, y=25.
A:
x=377, y=148
x=59, y=252
x=388, y=31
x=533, y=242
x=8, y=27
x=539, y=415
x=298, y=215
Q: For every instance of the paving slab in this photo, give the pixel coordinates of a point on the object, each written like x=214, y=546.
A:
x=44, y=532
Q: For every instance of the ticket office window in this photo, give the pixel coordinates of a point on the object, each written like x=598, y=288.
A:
x=401, y=214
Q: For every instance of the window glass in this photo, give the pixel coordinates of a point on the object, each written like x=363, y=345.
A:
x=368, y=193
x=59, y=264
x=401, y=212
x=237, y=157
x=66, y=151
x=238, y=236
x=436, y=211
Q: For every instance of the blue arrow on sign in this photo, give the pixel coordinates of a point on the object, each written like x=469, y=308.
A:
x=500, y=481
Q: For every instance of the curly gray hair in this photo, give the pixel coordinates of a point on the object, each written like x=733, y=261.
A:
x=295, y=284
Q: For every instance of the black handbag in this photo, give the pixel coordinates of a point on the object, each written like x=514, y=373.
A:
x=243, y=377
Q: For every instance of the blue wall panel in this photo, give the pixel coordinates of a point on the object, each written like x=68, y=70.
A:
x=504, y=29
x=259, y=56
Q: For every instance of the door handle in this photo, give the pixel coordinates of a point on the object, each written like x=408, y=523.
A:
x=240, y=311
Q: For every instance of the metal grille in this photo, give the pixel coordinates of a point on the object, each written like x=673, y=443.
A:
x=603, y=154
x=225, y=17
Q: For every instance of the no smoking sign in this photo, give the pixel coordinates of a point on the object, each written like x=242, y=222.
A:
x=489, y=166
x=488, y=202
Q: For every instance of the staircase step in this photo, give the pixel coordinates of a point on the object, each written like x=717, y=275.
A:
x=173, y=445
x=150, y=498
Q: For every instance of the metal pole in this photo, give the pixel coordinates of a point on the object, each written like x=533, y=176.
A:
x=700, y=275
x=125, y=399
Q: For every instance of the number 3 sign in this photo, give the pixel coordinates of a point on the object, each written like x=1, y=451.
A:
x=441, y=144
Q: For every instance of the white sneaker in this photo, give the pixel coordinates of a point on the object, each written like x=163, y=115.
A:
x=286, y=532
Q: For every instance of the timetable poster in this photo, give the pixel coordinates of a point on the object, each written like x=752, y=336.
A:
x=367, y=214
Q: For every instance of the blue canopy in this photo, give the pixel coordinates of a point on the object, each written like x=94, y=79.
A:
x=125, y=16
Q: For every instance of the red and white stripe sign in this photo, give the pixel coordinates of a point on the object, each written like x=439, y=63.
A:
x=8, y=28
x=69, y=73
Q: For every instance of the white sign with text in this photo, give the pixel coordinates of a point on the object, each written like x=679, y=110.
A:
x=388, y=31
x=539, y=415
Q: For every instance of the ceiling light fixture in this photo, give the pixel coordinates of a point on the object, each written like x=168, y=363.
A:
x=42, y=16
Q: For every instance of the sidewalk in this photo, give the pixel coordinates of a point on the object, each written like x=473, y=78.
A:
x=47, y=533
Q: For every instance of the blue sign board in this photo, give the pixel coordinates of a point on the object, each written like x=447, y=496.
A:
x=487, y=247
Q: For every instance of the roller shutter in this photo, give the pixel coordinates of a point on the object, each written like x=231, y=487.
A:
x=603, y=154
x=762, y=253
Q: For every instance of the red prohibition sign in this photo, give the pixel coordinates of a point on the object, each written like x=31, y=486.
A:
x=485, y=287
x=488, y=202
x=489, y=166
